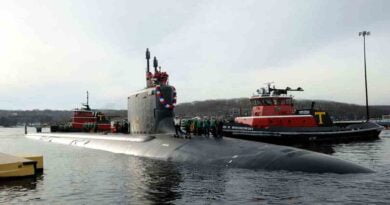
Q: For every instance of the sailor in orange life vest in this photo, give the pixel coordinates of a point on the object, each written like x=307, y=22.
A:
x=177, y=122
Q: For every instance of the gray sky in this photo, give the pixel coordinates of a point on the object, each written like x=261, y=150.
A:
x=51, y=52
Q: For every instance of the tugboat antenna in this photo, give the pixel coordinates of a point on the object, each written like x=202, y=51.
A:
x=269, y=85
x=147, y=60
x=87, y=98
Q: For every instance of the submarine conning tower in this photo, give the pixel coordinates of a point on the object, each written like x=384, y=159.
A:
x=151, y=110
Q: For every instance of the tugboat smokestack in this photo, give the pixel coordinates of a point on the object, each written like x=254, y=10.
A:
x=87, y=98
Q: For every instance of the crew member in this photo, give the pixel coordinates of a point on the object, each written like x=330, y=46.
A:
x=213, y=127
x=200, y=127
x=192, y=126
x=196, y=126
x=177, y=122
x=219, y=128
x=206, y=125
x=187, y=126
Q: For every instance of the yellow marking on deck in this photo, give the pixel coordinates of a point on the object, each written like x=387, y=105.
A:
x=320, y=114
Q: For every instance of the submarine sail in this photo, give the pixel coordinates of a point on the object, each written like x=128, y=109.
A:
x=151, y=110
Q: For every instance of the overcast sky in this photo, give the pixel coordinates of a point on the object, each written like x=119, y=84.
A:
x=51, y=52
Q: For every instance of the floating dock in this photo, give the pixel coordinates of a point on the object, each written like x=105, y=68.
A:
x=20, y=166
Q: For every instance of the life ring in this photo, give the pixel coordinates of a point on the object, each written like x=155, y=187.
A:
x=163, y=101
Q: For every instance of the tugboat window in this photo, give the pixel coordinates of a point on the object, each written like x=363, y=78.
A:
x=267, y=101
x=255, y=102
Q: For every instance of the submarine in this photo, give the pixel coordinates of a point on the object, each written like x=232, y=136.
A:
x=150, y=115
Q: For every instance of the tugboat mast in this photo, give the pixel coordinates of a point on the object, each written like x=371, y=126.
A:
x=87, y=98
x=87, y=104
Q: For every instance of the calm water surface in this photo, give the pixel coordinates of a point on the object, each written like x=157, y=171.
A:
x=75, y=175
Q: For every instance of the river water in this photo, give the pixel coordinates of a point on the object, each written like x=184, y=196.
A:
x=75, y=175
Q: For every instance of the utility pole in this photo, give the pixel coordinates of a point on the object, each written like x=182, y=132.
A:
x=364, y=34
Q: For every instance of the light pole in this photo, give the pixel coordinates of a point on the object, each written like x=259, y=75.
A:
x=364, y=34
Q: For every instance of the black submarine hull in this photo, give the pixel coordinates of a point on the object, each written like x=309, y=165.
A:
x=226, y=152
x=305, y=135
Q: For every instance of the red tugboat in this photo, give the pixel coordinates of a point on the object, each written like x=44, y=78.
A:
x=85, y=120
x=274, y=119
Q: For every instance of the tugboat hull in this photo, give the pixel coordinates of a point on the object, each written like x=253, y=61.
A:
x=301, y=135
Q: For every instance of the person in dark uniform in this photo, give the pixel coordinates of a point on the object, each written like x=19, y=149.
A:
x=219, y=128
x=187, y=126
x=213, y=127
x=207, y=127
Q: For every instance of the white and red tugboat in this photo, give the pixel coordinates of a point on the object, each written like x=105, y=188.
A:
x=274, y=119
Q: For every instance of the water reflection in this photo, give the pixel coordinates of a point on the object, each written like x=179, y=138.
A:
x=162, y=181
x=329, y=148
x=14, y=188
x=203, y=184
x=21, y=183
x=168, y=182
x=156, y=181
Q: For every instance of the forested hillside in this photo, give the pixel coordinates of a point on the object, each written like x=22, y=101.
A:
x=217, y=108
